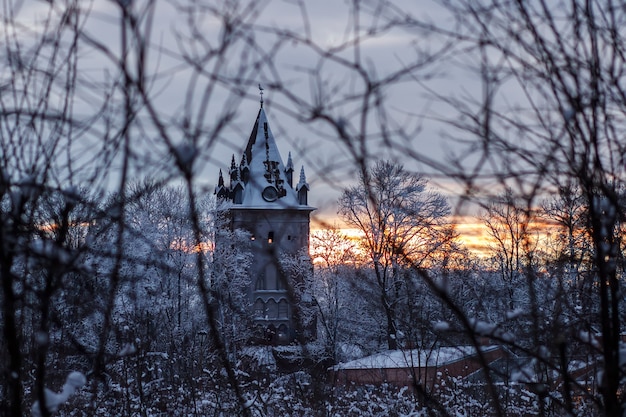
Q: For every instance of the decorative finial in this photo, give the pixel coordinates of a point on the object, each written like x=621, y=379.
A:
x=261, y=93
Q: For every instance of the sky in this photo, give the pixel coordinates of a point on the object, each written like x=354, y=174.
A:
x=304, y=73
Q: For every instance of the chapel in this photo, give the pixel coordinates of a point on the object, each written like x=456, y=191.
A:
x=262, y=198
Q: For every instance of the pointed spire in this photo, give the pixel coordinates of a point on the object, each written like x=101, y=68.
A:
x=236, y=185
x=233, y=171
x=302, y=189
x=221, y=191
x=261, y=168
x=261, y=94
x=289, y=171
x=245, y=169
x=302, y=178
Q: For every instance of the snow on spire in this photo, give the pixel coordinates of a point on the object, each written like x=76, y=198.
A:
x=244, y=168
x=233, y=171
x=263, y=170
x=302, y=189
x=221, y=190
x=237, y=188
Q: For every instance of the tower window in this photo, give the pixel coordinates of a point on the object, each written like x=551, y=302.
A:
x=272, y=309
x=270, y=237
x=260, y=283
x=283, y=309
x=288, y=237
x=271, y=277
x=280, y=283
x=259, y=309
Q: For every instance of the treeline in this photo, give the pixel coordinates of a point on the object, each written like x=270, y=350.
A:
x=112, y=289
x=127, y=291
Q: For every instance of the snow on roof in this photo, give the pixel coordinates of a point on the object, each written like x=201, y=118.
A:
x=262, y=147
x=413, y=358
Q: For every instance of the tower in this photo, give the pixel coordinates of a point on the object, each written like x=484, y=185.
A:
x=262, y=200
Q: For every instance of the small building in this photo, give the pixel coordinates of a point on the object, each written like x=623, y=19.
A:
x=407, y=368
x=263, y=199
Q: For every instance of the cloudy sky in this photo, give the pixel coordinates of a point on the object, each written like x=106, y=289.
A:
x=296, y=76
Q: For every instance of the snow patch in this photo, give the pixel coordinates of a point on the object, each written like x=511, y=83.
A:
x=441, y=326
x=513, y=314
x=75, y=380
x=409, y=358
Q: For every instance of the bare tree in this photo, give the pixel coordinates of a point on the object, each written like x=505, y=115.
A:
x=67, y=128
x=568, y=211
x=563, y=129
x=513, y=243
x=342, y=297
x=401, y=221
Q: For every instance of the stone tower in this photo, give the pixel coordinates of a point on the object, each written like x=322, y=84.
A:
x=262, y=198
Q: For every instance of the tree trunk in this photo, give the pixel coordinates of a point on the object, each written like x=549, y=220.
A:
x=392, y=337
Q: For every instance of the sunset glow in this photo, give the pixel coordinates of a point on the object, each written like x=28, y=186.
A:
x=472, y=234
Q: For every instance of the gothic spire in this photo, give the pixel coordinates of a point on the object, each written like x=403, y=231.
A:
x=289, y=171
x=302, y=178
x=233, y=171
x=221, y=191
x=244, y=168
x=302, y=189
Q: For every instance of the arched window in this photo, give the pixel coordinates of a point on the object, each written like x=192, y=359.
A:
x=259, y=309
x=260, y=284
x=280, y=282
x=270, y=277
x=238, y=194
x=272, y=309
x=283, y=309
